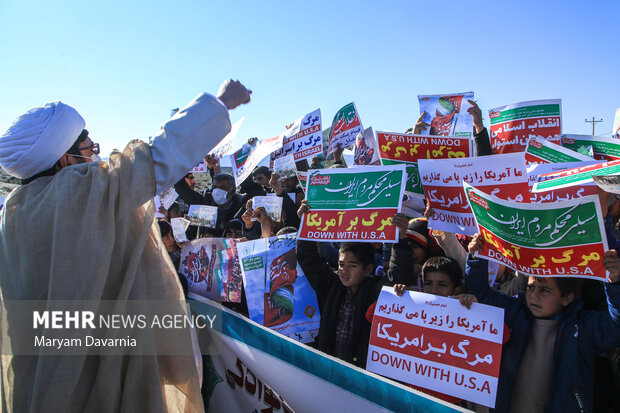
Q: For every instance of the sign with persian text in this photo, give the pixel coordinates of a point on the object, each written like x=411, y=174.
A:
x=605, y=149
x=564, y=239
x=536, y=173
x=353, y=204
x=576, y=176
x=345, y=127
x=436, y=343
x=251, y=368
x=303, y=139
x=405, y=149
x=542, y=151
x=504, y=176
x=513, y=125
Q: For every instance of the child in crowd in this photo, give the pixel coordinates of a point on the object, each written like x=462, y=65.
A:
x=548, y=363
x=343, y=297
x=441, y=276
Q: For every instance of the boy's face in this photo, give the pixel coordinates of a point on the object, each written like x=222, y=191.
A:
x=438, y=283
x=351, y=270
x=544, y=298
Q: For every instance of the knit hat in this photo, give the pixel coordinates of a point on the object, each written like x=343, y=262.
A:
x=38, y=139
x=417, y=230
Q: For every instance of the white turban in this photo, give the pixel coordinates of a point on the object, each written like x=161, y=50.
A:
x=37, y=139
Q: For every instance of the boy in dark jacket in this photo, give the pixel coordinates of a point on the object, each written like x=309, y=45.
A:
x=343, y=297
x=548, y=364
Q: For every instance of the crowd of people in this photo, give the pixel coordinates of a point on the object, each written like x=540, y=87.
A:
x=561, y=334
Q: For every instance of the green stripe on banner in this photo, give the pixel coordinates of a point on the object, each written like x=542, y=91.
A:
x=350, y=379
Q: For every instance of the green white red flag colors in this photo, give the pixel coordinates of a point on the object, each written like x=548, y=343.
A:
x=536, y=173
x=345, y=127
x=353, y=204
x=564, y=239
x=542, y=151
x=513, y=125
x=576, y=176
x=605, y=149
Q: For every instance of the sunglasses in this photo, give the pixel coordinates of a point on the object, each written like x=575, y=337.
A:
x=94, y=147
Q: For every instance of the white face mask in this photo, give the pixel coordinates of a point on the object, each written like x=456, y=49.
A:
x=93, y=158
x=219, y=196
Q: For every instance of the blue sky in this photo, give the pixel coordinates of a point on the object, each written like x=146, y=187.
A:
x=124, y=65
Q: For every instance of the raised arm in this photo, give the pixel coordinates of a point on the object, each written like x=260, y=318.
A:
x=193, y=131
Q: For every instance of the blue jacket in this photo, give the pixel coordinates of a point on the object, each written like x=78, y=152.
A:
x=582, y=335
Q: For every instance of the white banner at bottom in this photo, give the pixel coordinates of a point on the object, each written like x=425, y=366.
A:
x=251, y=368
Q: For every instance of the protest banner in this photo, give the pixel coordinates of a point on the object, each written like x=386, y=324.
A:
x=513, y=125
x=222, y=148
x=502, y=175
x=164, y=201
x=447, y=114
x=366, y=149
x=615, y=132
x=345, y=127
x=303, y=140
x=179, y=226
x=576, y=176
x=272, y=205
x=436, y=343
x=285, y=167
x=302, y=176
x=536, y=172
x=277, y=291
x=542, y=151
x=251, y=368
x=605, y=149
x=243, y=163
x=564, y=239
x=203, y=215
x=211, y=266
x=353, y=204
x=402, y=148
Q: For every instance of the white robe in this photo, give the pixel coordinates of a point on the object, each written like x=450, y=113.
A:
x=89, y=233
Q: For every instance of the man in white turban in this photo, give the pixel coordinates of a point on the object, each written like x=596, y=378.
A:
x=84, y=230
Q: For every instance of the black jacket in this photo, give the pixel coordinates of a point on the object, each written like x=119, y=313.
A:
x=330, y=294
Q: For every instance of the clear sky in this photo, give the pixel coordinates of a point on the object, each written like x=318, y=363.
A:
x=125, y=64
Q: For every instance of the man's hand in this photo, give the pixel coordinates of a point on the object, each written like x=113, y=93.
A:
x=612, y=264
x=476, y=244
x=476, y=113
x=400, y=289
x=338, y=153
x=304, y=208
x=213, y=163
x=401, y=222
x=232, y=94
x=247, y=215
x=276, y=184
x=420, y=125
